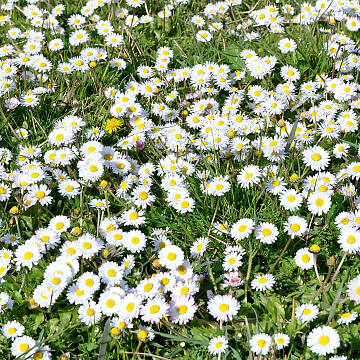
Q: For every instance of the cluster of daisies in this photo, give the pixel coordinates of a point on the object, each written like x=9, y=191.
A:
x=207, y=131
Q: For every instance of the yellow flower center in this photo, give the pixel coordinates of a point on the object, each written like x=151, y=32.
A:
x=224, y=307
x=182, y=309
x=154, y=309
x=324, y=340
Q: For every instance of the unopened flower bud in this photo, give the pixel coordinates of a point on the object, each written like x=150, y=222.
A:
x=156, y=264
x=331, y=261
x=315, y=249
x=103, y=183
x=76, y=231
x=14, y=210
x=294, y=178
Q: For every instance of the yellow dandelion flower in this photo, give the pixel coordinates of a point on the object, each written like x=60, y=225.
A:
x=112, y=125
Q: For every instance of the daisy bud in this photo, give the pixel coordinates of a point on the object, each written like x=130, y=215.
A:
x=231, y=134
x=64, y=357
x=331, y=261
x=14, y=210
x=103, y=183
x=115, y=332
x=294, y=178
x=185, y=112
x=142, y=335
x=92, y=64
x=32, y=304
x=156, y=264
x=315, y=249
x=76, y=231
x=105, y=253
x=140, y=145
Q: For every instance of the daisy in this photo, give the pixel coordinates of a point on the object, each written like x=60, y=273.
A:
x=306, y=312
x=347, y=318
x=89, y=313
x=349, y=240
x=110, y=303
x=316, y=157
x=218, y=186
x=289, y=73
x=353, y=170
x=110, y=273
x=23, y=345
x=217, y=345
x=263, y=282
x=249, y=176
x=287, y=45
x=114, y=237
x=281, y=340
x=134, y=241
x=304, y=259
x=323, y=340
x=295, y=226
x=77, y=296
x=27, y=255
x=319, y=203
x=266, y=232
x=89, y=245
x=232, y=261
x=90, y=170
x=40, y=194
x=199, y=246
x=343, y=220
x=260, y=344
x=154, y=310
x=71, y=248
x=242, y=229
x=142, y=197
x=171, y=256
x=98, y=204
x=148, y=288
x=353, y=289
x=132, y=217
x=88, y=282
x=182, y=309
x=130, y=306
x=183, y=271
x=12, y=329
x=184, y=205
x=69, y=188
x=203, y=36
x=291, y=200
x=223, y=307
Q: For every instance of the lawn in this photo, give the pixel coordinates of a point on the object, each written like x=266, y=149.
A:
x=179, y=180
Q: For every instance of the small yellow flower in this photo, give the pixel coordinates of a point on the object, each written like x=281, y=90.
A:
x=115, y=331
x=294, y=178
x=105, y=253
x=142, y=335
x=156, y=264
x=14, y=210
x=113, y=125
x=103, y=183
x=76, y=231
x=315, y=249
